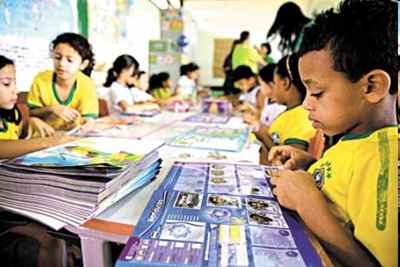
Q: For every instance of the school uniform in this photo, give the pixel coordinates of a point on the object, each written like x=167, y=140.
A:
x=270, y=112
x=188, y=87
x=358, y=176
x=82, y=97
x=292, y=127
x=250, y=96
x=162, y=93
x=117, y=94
x=140, y=96
x=15, y=249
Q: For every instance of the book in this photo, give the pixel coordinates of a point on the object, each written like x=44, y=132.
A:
x=217, y=214
x=73, y=182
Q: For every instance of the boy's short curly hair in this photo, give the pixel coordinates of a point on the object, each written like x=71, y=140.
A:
x=361, y=36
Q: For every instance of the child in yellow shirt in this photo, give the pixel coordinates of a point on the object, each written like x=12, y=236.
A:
x=64, y=96
x=292, y=126
x=22, y=240
x=348, y=198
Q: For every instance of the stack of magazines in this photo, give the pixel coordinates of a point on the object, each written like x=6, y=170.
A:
x=68, y=184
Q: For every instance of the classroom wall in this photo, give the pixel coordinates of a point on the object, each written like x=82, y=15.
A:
x=141, y=24
x=226, y=19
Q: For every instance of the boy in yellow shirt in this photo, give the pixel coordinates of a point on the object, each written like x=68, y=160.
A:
x=63, y=96
x=348, y=198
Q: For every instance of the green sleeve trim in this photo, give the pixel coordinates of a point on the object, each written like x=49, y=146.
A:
x=90, y=115
x=383, y=182
x=295, y=141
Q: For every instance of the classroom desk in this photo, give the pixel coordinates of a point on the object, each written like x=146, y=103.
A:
x=116, y=224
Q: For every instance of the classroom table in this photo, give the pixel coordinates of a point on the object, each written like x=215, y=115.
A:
x=116, y=224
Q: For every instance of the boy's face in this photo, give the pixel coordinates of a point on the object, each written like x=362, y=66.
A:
x=67, y=61
x=245, y=84
x=336, y=105
x=8, y=89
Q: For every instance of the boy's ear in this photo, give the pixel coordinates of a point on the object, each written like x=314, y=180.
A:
x=376, y=85
x=84, y=64
x=286, y=83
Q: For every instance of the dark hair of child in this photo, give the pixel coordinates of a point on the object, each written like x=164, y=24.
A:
x=188, y=68
x=10, y=115
x=267, y=73
x=355, y=50
x=120, y=63
x=267, y=46
x=243, y=72
x=79, y=44
x=158, y=80
x=287, y=67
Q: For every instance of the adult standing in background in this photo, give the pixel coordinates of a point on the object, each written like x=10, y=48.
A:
x=289, y=24
x=229, y=88
x=245, y=54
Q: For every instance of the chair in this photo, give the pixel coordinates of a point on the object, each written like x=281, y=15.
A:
x=23, y=106
x=103, y=108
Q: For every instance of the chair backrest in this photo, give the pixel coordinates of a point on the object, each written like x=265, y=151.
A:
x=317, y=144
x=23, y=106
x=103, y=108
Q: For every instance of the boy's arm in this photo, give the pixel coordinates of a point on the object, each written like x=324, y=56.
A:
x=263, y=135
x=296, y=190
x=15, y=148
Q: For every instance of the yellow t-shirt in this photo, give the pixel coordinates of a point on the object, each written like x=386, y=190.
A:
x=358, y=176
x=162, y=93
x=292, y=127
x=82, y=97
x=244, y=54
x=10, y=130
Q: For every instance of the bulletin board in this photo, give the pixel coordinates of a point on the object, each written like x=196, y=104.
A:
x=26, y=30
x=221, y=50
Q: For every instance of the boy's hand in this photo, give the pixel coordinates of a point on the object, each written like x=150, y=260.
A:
x=290, y=157
x=65, y=113
x=246, y=108
x=294, y=189
x=38, y=128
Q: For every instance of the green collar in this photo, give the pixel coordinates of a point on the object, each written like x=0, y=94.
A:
x=353, y=136
x=70, y=95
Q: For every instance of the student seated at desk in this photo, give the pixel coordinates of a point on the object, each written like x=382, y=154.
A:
x=160, y=88
x=119, y=78
x=348, y=198
x=66, y=96
x=187, y=85
x=269, y=108
x=246, y=80
x=140, y=85
x=23, y=242
x=291, y=127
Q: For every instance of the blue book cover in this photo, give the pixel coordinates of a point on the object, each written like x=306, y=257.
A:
x=217, y=214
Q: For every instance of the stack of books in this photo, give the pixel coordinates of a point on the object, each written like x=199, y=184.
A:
x=70, y=183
